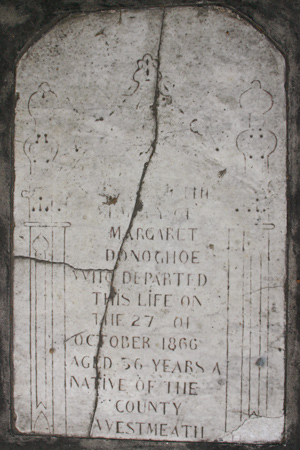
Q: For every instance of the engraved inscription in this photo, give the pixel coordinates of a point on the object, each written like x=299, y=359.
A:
x=150, y=224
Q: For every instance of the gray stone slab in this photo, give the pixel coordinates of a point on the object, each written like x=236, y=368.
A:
x=150, y=229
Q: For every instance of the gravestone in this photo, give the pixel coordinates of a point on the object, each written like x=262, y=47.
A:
x=150, y=229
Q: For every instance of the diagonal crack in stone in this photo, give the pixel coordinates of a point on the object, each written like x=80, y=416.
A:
x=137, y=207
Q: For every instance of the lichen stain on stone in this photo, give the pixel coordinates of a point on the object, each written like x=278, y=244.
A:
x=100, y=33
x=139, y=205
x=222, y=173
x=110, y=200
x=261, y=362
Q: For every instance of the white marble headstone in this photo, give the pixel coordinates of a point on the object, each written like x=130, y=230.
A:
x=150, y=225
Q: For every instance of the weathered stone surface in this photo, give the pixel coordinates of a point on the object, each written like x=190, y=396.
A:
x=150, y=224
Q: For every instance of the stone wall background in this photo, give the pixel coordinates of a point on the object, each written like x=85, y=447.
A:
x=22, y=22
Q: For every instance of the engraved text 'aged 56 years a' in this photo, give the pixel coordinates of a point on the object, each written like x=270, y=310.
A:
x=150, y=227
